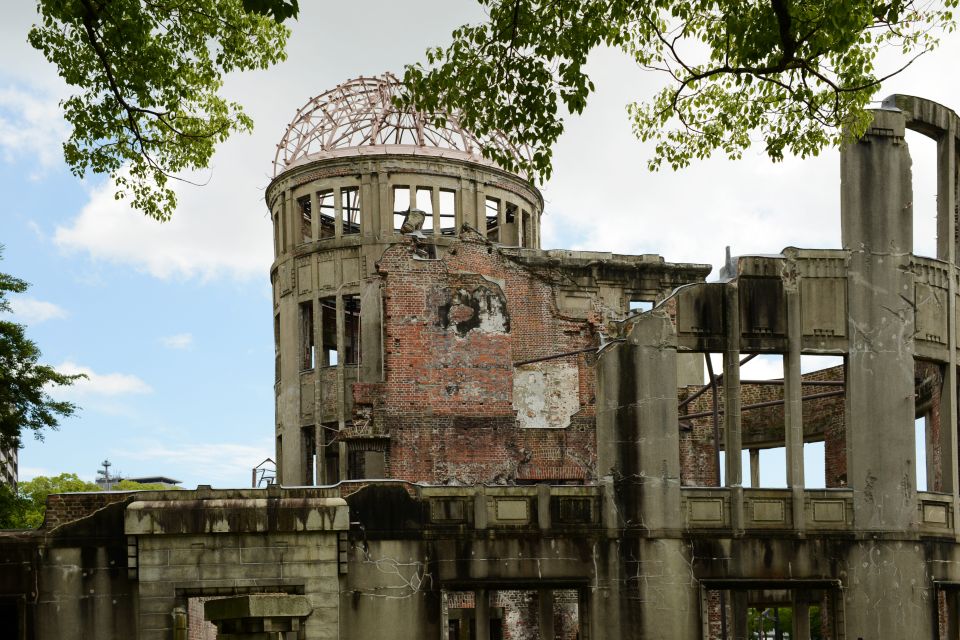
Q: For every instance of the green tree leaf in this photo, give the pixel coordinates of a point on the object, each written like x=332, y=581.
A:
x=147, y=75
x=793, y=75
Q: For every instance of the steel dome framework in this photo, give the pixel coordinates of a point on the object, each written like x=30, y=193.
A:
x=361, y=113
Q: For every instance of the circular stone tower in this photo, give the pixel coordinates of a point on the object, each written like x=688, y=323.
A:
x=354, y=175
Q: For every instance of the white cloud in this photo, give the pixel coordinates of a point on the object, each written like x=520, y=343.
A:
x=101, y=384
x=33, y=311
x=220, y=229
x=31, y=125
x=177, y=341
x=216, y=463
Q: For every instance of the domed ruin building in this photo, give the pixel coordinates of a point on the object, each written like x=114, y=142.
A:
x=479, y=439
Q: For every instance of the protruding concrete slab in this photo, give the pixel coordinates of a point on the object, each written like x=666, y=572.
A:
x=257, y=605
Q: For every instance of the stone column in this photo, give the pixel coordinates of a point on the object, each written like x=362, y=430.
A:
x=545, y=606
x=801, y=620
x=947, y=178
x=876, y=216
x=738, y=608
x=481, y=612
x=732, y=444
x=793, y=402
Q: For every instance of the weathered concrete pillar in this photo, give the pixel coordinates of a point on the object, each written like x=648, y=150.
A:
x=653, y=343
x=648, y=461
x=371, y=331
x=754, y=468
x=886, y=585
x=290, y=462
x=605, y=599
x=481, y=612
x=180, y=624
x=545, y=613
x=738, y=608
x=887, y=591
x=385, y=194
x=801, y=620
x=638, y=440
x=337, y=213
x=948, y=178
x=793, y=402
x=731, y=399
x=608, y=410
x=876, y=213
x=314, y=216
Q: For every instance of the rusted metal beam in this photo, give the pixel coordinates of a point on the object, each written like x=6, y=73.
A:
x=699, y=392
x=556, y=355
x=809, y=383
x=768, y=403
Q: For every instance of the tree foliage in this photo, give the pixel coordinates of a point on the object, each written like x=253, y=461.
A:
x=147, y=75
x=25, y=404
x=25, y=508
x=798, y=74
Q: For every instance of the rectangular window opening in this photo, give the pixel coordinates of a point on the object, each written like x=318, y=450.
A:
x=701, y=430
x=762, y=613
x=492, y=208
x=331, y=452
x=773, y=622
x=328, y=210
x=401, y=205
x=825, y=440
x=308, y=443
x=763, y=423
x=350, y=210
x=510, y=233
x=425, y=204
x=351, y=329
x=640, y=306
x=276, y=233
x=928, y=389
x=328, y=329
x=920, y=433
x=447, y=214
x=308, y=347
x=923, y=153
x=306, y=219
x=771, y=470
x=814, y=465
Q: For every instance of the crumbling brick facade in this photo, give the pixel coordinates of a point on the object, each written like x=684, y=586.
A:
x=454, y=327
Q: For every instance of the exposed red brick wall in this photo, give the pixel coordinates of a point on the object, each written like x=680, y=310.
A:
x=447, y=400
x=67, y=507
x=197, y=627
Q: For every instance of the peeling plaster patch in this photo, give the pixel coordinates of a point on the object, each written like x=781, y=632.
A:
x=545, y=395
x=481, y=307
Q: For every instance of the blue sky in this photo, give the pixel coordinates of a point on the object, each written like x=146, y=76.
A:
x=172, y=322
